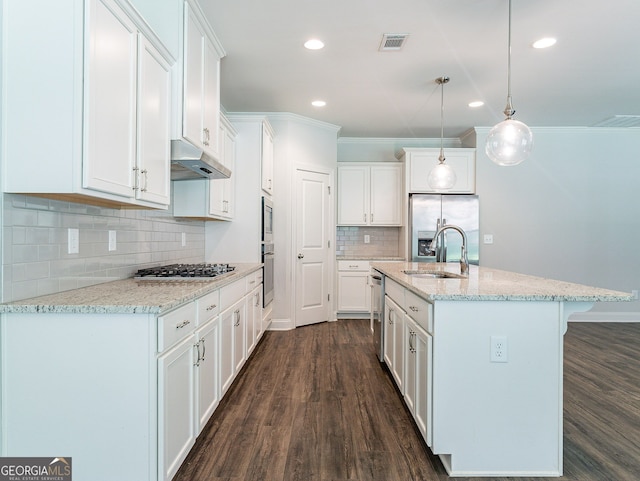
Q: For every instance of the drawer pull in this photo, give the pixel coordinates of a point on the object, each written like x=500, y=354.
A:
x=183, y=324
x=211, y=307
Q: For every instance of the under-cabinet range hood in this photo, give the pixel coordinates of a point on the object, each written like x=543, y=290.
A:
x=190, y=162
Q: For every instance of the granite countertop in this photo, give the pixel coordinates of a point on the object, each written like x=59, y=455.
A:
x=369, y=258
x=485, y=284
x=127, y=296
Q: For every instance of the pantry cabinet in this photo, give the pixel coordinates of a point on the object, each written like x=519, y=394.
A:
x=210, y=199
x=101, y=112
x=267, y=159
x=420, y=161
x=370, y=194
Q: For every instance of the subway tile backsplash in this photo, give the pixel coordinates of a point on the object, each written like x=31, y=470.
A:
x=35, y=252
x=383, y=241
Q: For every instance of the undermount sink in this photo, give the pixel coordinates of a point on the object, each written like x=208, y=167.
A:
x=433, y=274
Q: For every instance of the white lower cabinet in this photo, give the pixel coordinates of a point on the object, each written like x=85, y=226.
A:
x=418, y=381
x=147, y=384
x=354, y=291
x=408, y=352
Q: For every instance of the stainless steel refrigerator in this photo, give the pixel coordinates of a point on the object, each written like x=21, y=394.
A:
x=427, y=212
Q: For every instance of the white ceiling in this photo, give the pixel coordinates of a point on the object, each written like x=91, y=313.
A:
x=591, y=74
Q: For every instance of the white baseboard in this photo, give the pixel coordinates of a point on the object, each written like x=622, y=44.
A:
x=605, y=317
x=282, y=325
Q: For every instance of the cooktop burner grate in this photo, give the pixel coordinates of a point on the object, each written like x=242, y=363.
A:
x=184, y=272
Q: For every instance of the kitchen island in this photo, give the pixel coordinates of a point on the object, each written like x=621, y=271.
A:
x=479, y=362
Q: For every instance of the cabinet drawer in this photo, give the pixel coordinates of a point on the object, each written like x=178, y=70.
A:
x=230, y=293
x=353, y=266
x=176, y=325
x=252, y=281
x=208, y=306
x=394, y=290
x=419, y=310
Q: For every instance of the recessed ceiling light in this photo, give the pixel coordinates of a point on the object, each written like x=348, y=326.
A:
x=314, y=44
x=476, y=103
x=318, y=103
x=544, y=42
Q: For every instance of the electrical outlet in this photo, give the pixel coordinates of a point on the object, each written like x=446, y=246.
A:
x=73, y=241
x=184, y=239
x=499, y=349
x=634, y=293
x=112, y=240
x=488, y=238
x=367, y=238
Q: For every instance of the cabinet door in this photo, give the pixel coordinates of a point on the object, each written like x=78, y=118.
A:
x=423, y=345
x=410, y=365
x=267, y=160
x=110, y=100
x=240, y=327
x=386, y=195
x=398, y=349
x=193, y=75
x=353, y=195
x=154, y=147
x=211, y=101
x=207, y=338
x=354, y=292
x=463, y=162
x=176, y=388
x=227, y=329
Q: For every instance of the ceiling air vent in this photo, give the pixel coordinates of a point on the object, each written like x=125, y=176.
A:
x=620, y=121
x=392, y=41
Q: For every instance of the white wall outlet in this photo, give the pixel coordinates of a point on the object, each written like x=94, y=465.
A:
x=634, y=293
x=73, y=240
x=499, y=349
x=184, y=239
x=367, y=238
x=112, y=240
x=488, y=238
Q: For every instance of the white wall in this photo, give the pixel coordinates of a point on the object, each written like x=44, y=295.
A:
x=570, y=212
x=299, y=141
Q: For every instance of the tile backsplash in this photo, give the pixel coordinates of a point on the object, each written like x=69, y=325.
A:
x=383, y=241
x=35, y=257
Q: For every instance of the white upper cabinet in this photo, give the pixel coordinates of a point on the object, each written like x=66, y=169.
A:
x=370, y=194
x=88, y=91
x=267, y=159
x=201, y=83
x=419, y=163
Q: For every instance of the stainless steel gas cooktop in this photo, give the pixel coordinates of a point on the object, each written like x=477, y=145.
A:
x=184, y=272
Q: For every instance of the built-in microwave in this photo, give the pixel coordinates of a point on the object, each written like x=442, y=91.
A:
x=267, y=221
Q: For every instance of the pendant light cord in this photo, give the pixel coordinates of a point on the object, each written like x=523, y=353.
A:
x=442, y=80
x=508, y=111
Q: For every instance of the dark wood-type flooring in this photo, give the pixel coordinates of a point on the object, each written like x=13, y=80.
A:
x=314, y=404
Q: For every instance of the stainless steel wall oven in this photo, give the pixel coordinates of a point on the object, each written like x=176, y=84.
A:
x=267, y=285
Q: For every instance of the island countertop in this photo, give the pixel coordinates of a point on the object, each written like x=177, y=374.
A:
x=486, y=284
x=127, y=296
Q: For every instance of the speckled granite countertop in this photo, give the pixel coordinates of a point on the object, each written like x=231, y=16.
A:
x=127, y=296
x=369, y=258
x=485, y=284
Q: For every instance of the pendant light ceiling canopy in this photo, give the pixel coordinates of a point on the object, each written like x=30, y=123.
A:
x=442, y=176
x=511, y=141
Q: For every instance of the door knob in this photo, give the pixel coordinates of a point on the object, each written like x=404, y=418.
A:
x=300, y=256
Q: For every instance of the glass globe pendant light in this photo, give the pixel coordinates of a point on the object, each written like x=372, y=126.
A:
x=442, y=176
x=511, y=141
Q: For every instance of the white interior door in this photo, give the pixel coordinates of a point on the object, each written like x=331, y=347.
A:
x=312, y=248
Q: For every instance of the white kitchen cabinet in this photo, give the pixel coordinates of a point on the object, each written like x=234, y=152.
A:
x=370, y=194
x=207, y=338
x=101, y=112
x=419, y=162
x=418, y=383
x=254, y=312
x=354, y=291
x=267, y=159
x=201, y=83
x=209, y=199
x=239, y=329
x=394, y=341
